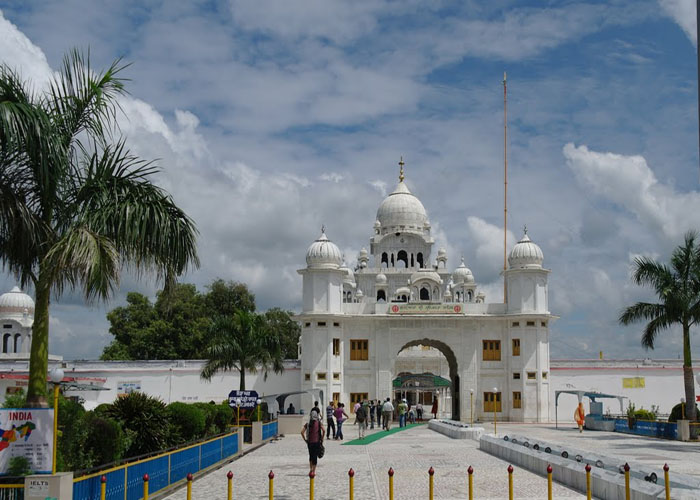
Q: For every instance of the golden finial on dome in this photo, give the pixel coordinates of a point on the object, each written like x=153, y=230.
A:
x=401, y=164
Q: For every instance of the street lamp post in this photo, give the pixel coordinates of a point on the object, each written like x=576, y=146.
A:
x=55, y=375
x=682, y=408
x=495, y=391
x=471, y=407
x=258, y=402
x=238, y=412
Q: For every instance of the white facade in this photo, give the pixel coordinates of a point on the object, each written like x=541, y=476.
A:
x=16, y=320
x=355, y=323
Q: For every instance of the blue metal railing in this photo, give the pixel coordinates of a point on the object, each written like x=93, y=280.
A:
x=269, y=430
x=125, y=482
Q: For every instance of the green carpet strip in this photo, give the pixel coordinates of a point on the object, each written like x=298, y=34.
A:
x=371, y=438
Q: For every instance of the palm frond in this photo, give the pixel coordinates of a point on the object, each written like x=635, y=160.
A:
x=642, y=311
x=83, y=257
x=652, y=330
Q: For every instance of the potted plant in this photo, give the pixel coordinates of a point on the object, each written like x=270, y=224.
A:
x=631, y=417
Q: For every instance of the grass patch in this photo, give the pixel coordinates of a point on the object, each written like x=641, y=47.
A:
x=371, y=438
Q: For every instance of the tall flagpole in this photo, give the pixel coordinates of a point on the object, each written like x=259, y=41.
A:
x=505, y=182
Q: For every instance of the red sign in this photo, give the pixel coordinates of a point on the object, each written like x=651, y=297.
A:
x=697, y=398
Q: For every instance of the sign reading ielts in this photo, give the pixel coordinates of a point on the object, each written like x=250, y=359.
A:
x=249, y=399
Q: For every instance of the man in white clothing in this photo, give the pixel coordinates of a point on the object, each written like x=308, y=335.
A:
x=387, y=411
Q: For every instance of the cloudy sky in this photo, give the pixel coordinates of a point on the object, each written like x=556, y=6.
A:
x=269, y=119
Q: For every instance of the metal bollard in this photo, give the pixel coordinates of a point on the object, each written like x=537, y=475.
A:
x=391, y=483
x=431, y=473
x=627, y=481
x=229, y=476
x=189, y=486
x=470, y=473
x=351, y=475
x=311, y=485
x=103, y=487
x=666, y=483
x=549, y=482
x=510, y=482
x=271, y=477
x=145, y=487
x=588, y=481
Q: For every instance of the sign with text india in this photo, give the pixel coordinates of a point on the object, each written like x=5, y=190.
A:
x=248, y=399
x=425, y=309
x=26, y=432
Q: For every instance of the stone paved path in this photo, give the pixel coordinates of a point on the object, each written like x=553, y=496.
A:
x=410, y=453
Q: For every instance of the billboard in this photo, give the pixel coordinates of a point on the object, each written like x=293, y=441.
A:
x=27, y=432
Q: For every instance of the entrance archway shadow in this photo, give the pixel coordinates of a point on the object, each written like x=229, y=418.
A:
x=449, y=354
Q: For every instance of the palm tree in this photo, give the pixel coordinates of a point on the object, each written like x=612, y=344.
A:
x=243, y=342
x=678, y=289
x=75, y=206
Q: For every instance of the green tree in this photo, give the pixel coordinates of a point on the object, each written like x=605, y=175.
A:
x=288, y=330
x=75, y=207
x=243, y=342
x=146, y=418
x=678, y=289
x=227, y=297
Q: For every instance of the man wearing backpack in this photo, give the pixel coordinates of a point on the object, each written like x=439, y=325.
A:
x=361, y=419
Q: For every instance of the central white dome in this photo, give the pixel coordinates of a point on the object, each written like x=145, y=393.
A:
x=401, y=211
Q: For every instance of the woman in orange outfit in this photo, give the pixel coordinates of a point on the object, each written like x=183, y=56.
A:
x=579, y=416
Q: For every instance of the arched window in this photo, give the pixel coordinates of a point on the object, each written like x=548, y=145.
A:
x=392, y=260
x=385, y=259
x=18, y=342
x=403, y=298
x=381, y=295
x=424, y=294
x=419, y=259
x=469, y=296
x=6, y=339
x=413, y=262
x=402, y=257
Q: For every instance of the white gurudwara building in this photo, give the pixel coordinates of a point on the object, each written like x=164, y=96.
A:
x=399, y=299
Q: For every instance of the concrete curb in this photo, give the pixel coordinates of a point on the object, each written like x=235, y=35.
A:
x=455, y=430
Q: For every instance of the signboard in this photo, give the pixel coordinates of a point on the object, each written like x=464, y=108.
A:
x=127, y=387
x=249, y=399
x=38, y=487
x=27, y=432
x=426, y=309
x=633, y=383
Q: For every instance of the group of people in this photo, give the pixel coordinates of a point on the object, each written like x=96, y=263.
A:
x=366, y=413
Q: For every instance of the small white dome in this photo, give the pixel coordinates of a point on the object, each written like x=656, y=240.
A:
x=349, y=276
x=323, y=254
x=363, y=253
x=380, y=279
x=377, y=224
x=426, y=274
x=525, y=254
x=442, y=252
x=359, y=294
x=463, y=274
x=15, y=303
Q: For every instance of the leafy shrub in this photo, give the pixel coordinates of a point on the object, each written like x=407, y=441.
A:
x=676, y=413
x=106, y=441
x=643, y=414
x=19, y=466
x=147, y=418
x=72, y=454
x=188, y=421
x=17, y=400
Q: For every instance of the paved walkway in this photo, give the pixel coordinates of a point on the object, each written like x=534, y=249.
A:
x=681, y=457
x=411, y=453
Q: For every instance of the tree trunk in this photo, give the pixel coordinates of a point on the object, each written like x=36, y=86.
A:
x=688, y=381
x=39, y=356
x=241, y=385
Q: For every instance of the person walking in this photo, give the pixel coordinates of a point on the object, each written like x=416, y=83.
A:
x=354, y=411
x=403, y=413
x=372, y=413
x=340, y=417
x=312, y=433
x=387, y=410
x=330, y=424
x=361, y=419
x=419, y=411
x=433, y=410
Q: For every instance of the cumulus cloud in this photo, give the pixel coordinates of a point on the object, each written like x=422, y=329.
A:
x=487, y=242
x=628, y=181
x=21, y=55
x=682, y=12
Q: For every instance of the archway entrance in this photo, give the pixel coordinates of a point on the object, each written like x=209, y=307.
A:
x=429, y=382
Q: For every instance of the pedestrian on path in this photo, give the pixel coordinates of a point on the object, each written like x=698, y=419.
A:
x=372, y=412
x=403, y=409
x=433, y=410
x=340, y=417
x=419, y=411
x=387, y=410
x=330, y=424
x=361, y=419
x=312, y=433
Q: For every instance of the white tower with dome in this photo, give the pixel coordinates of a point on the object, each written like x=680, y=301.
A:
x=355, y=323
x=16, y=320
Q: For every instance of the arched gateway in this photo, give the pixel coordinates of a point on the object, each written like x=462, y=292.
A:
x=355, y=322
